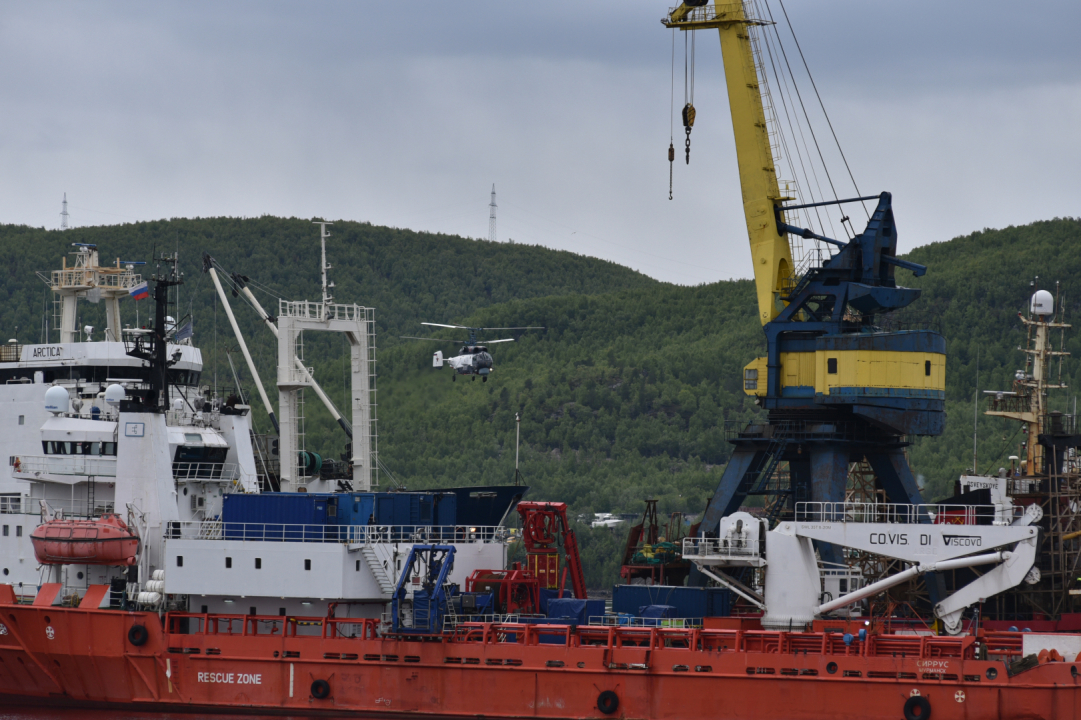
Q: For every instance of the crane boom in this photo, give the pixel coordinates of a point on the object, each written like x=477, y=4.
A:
x=771, y=252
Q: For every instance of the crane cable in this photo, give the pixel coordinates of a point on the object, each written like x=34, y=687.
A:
x=671, y=119
x=821, y=105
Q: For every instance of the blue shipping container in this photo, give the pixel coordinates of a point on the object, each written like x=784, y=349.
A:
x=277, y=516
x=689, y=602
x=446, y=509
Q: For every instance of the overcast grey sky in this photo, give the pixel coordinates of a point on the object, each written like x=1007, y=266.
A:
x=404, y=114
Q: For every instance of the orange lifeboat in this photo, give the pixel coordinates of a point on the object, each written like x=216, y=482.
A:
x=105, y=541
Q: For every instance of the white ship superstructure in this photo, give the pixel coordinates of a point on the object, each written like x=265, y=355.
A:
x=122, y=425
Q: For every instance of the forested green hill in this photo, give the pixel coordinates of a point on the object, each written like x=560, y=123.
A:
x=623, y=397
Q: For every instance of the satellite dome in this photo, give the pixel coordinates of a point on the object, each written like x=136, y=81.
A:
x=114, y=394
x=56, y=400
x=1043, y=303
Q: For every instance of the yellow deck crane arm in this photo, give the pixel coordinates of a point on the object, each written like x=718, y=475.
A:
x=770, y=250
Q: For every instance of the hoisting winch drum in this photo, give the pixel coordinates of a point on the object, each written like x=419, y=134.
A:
x=917, y=707
x=608, y=702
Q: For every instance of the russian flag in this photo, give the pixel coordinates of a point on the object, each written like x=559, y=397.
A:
x=140, y=291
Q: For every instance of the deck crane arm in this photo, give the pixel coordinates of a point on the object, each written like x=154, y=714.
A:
x=770, y=249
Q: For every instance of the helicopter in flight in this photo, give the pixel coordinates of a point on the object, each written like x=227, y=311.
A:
x=473, y=358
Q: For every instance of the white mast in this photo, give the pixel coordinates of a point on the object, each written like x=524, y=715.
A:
x=491, y=216
x=323, y=235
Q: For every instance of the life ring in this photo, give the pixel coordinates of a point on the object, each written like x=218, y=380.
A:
x=138, y=635
x=608, y=702
x=917, y=707
x=320, y=689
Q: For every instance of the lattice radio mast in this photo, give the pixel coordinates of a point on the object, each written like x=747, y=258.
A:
x=491, y=216
x=64, y=212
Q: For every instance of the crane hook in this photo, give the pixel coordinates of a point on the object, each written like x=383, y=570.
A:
x=671, y=161
x=688, y=123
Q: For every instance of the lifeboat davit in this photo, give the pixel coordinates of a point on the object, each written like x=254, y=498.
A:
x=105, y=541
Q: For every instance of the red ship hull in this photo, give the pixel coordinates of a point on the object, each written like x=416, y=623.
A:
x=69, y=656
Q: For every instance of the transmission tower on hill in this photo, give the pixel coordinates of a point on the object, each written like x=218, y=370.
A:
x=64, y=213
x=491, y=216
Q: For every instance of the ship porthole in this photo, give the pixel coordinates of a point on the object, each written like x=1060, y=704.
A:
x=320, y=689
x=917, y=707
x=831, y=668
x=608, y=702
x=992, y=673
x=138, y=635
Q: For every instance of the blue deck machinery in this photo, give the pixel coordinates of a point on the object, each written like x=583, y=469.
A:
x=838, y=383
x=431, y=566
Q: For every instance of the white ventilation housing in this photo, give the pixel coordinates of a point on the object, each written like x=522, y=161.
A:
x=56, y=400
x=1043, y=303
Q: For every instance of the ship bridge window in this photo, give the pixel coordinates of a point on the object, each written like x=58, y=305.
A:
x=65, y=447
x=191, y=454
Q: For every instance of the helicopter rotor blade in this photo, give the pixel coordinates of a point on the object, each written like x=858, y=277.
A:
x=493, y=342
x=458, y=327
x=512, y=328
x=410, y=337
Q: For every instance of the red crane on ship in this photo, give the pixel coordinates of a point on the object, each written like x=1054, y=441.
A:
x=545, y=529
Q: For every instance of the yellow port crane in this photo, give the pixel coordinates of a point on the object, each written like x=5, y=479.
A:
x=839, y=384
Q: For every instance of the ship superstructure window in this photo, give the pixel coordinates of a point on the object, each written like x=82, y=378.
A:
x=927, y=368
x=258, y=563
x=307, y=564
x=831, y=366
x=196, y=454
x=180, y=561
x=22, y=419
x=358, y=565
x=228, y=562
x=65, y=447
x=7, y=530
x=18, y=531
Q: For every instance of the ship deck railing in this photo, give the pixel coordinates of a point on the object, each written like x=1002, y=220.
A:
x=719, y=548
x=205, y=471
x=777, y=642
x=34, y=467
x=897, y=513
x=180, y=625
x=358, y=535
x=626, y=621
x=31, y=505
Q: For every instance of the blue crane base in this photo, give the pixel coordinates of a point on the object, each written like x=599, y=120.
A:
x=818, y=452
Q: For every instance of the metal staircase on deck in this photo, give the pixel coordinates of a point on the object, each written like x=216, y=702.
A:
x=386, y=585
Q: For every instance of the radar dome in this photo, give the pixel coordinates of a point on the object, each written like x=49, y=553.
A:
x=114, y=394
x=1043, y=303
x=56, y=400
